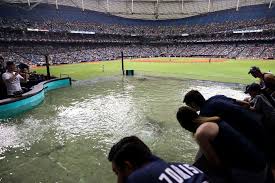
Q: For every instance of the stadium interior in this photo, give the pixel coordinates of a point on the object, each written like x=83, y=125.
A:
x=123, y=67
x=99, y=30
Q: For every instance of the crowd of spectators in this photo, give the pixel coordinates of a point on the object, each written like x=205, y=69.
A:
x=108, y=40
x=55, y=25
x=9, y=35
x=75, y=54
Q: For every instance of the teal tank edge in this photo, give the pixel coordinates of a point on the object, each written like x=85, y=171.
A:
x=14, y=108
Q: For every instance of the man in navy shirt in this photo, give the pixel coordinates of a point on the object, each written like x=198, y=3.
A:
x=241, y=119
x=225, y=149
x=133, y=162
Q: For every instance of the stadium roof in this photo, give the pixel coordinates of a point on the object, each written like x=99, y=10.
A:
x=149, y=9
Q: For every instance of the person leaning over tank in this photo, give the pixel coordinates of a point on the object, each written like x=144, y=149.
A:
x=225, y=148
x=12, y=80
x=133, y=162
x=238, y=117
x=262, y=105
x=255, y=91
x=267, y=80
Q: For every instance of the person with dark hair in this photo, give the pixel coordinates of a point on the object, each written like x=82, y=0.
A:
x=234, y=114
x=133, y=162
x=255, y=89
x=24, y=71
x=266, y=79
x=261, y=104
x=23, y=66
x=230, y=110
x=3, y=92
x=259, y=101
x=194, y=99
x=226, y=148
x=2, y=65
x=12, y=79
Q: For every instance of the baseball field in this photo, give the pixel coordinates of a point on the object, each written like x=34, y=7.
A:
x=223, y=70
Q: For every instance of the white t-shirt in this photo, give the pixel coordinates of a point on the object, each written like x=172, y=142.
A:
x=14, y=85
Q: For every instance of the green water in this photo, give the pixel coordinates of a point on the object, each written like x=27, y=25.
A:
x=67, y=138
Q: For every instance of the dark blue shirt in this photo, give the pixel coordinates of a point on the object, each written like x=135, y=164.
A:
x=159, y=171
x=236, y=151
x=243, y=120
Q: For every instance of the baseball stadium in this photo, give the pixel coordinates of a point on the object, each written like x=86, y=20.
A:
x=108, y=91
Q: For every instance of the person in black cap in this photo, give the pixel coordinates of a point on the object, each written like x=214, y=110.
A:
x=266, y=79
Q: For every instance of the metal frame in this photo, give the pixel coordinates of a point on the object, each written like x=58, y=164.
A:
x=56, y=4
x=237, y=5
x=148, y=9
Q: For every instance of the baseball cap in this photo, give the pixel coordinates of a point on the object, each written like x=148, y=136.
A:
x=254, y=69
x=252, y=87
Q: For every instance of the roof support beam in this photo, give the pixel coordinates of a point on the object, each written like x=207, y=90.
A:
x=82, y=5
x=77, y=5
x=182, y=5
x=132, y=9
x=56, y=4
x=270, y=4
x=156, y=13
x=108, y=9
x=37, y=3
x=29, y=3
x=209, y=6
x=237, y=6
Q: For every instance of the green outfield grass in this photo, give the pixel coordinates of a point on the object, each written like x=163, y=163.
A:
x=228, y=71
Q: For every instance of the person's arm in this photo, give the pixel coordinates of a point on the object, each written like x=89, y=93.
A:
x=247, y=99
x=252, y=108
x=243, y=103
x=204, y=135
x=21, y=77
x=257, y=104
x=205, y=119
x=270, y=78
